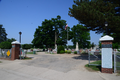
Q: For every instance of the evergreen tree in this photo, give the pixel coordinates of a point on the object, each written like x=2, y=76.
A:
x=93, y=14
x=3, y=34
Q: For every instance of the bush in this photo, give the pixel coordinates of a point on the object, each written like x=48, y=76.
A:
x=5, y=45
x=62, y=51
x=75, y=52
x=65, y=51
x=68, y=51
x=60, y=48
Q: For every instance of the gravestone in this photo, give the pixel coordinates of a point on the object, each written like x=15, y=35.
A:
x=106, y=44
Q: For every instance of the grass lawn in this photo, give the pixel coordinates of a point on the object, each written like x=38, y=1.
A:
x=92, y=67
x=29, y=53
x=0, y=62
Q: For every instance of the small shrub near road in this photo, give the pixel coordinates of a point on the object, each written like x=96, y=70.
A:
x=75, y=52
x=62, y=51
x=60, y=48
x=68, y=51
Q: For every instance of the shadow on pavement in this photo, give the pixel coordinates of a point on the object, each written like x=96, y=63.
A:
x=85, y=57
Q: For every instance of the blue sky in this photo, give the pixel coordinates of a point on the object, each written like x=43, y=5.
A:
x=27, y=15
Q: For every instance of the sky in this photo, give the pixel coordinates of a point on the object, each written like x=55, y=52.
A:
x=27, y=15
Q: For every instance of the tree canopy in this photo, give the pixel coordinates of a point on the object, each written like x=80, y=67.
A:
x=3, y=34
x=80, y=35
x=11, y=40
x=93, y=14
x=45, y=34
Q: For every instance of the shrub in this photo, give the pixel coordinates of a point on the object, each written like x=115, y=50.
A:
x=60, y=48
x=68, y=51
x=5, y=45
x=62, y=51
x=75, y=52
x=65, y=51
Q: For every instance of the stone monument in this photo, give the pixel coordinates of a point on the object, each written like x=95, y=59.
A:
x=77, y=48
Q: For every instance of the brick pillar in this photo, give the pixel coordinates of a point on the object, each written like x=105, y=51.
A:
x=15, y=50
x=106, y=44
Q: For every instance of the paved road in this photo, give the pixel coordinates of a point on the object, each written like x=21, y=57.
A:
x=51, y=67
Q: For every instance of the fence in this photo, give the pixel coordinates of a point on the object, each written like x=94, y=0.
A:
x=116, y=61
x=5, y=53
x=94, y=56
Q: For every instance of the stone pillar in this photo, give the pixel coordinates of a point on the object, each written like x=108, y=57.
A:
x=106, y=44
x=15, y=50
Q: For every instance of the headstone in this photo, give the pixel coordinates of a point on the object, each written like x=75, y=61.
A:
x=106, y=44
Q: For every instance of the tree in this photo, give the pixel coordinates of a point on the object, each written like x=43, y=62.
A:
x=11, y=40
x=92, y=45
x=59, y=27
x=5, y=45
x=27, y=46
x=3, y=34
x=44, y=35
x=93, y=14
x=81, y=35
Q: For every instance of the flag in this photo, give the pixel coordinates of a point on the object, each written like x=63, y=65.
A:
x=66, y=26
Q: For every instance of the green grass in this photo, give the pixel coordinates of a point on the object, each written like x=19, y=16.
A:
x=92, y=67
x=29, y=53
x=96, y=62
x=0, y=62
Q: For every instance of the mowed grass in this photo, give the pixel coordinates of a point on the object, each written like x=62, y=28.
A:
x=29, y=53
x=92, y=67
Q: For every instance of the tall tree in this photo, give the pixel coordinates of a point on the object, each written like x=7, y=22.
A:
x=44, y=35
x=50, y=33
x=95, y=13
x=80, y=35
x=3, y=34
x=59, y=26
x=11, y=40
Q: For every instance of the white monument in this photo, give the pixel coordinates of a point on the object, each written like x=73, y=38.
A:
x=77, y=46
